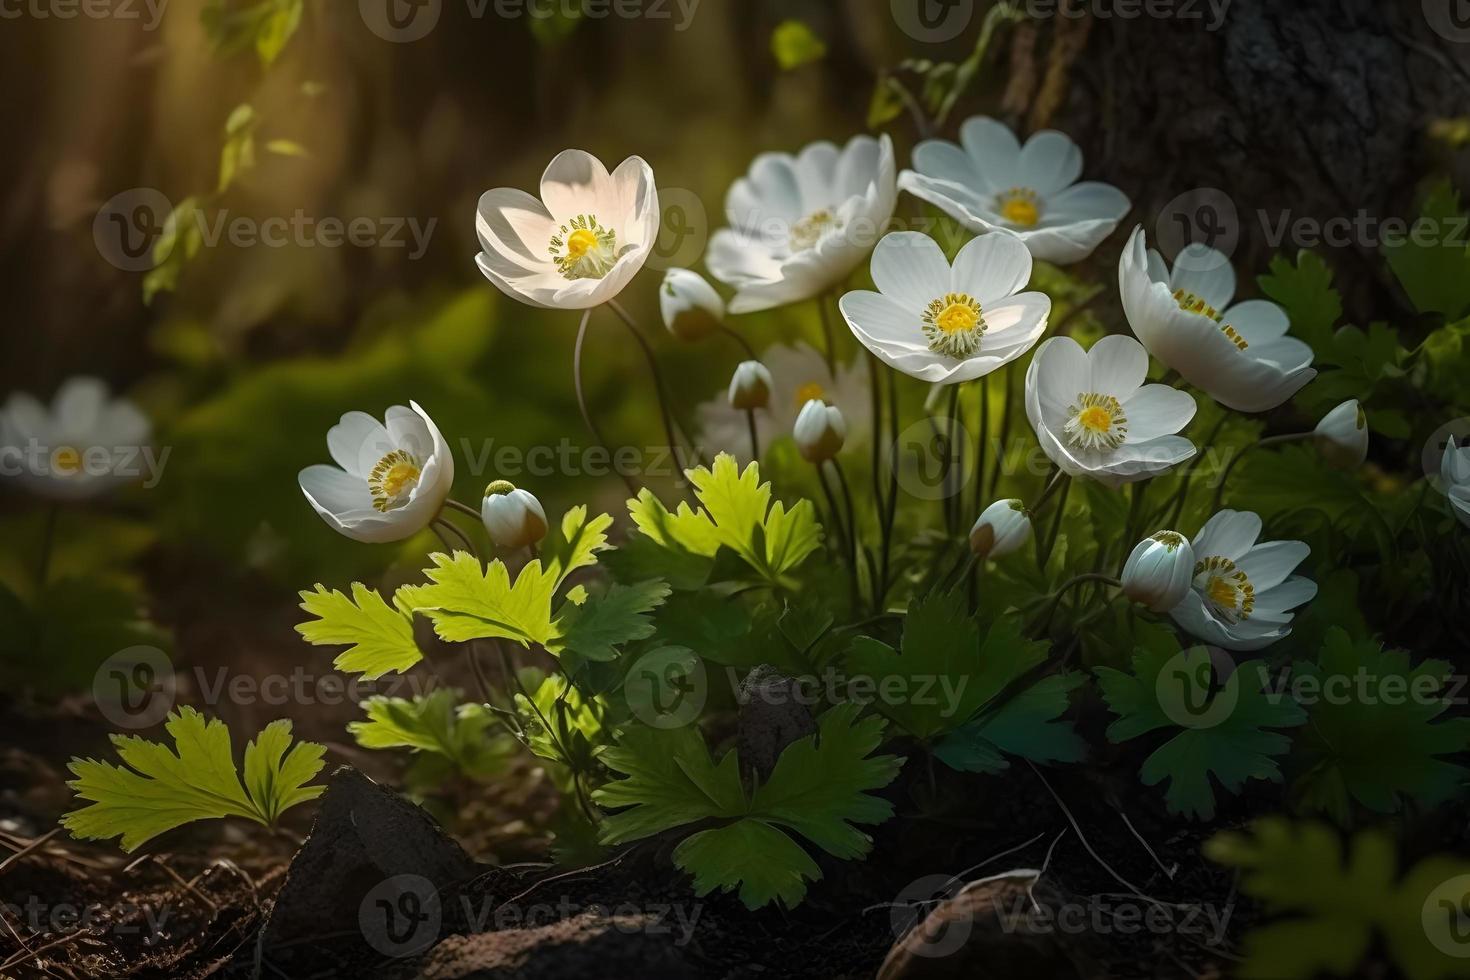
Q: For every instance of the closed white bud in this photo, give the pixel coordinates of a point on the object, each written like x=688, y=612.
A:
x=750, y=388
x=819, y=432
x=1002, y=529
x=1159, y=571
x=513, y=517
x=1342, y=436
x=691, y=308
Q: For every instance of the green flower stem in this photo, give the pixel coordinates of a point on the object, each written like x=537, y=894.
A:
x=1044, y=555
x=48, y=544
x=1005, y=433
x=954, y=465
x=1061, y=591
x=829, y=336
x=982, y=440
x=891, y=505
x=658, y=383
x=970, y=67
x=852, y=531
x=1176, y=509
x=1258, y=444
x=440, y=525
x=465, y=509
x=739, y=338
x=755, y=440
x=587, y=419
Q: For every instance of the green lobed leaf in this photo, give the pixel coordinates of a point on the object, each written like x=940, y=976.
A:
x=379, y=636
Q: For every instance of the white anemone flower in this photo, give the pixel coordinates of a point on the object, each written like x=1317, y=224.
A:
x=514, y=518
x=581, y=243
x=800, y=224
x=1159, y=571
x=1342, y=436
x=947, y=324
x=1095, y=417
x=83, y=444
x=1455, y=471
x=796, y=375
x=992, y=183
x=391, y=477
x=1243, y=591
x=1239, y=355
x=1001, y=529
x=819, y=432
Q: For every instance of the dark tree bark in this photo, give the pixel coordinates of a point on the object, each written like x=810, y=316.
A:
x=1315, y=109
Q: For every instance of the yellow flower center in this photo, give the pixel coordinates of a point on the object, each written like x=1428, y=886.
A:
x=809, y=230
x=584, y=249
x=1190, y=303
x=954, y=325
x=957, y=316
x=1096, y=422
x=66, y=460
x=1226, y=589
x=1172, y=540
x=393, y=479
x=580, y=242
x=810, y=391
x=1020, y=206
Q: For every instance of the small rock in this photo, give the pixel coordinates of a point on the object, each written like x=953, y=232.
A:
x=585, y=945
x=984, y=933
x=771, y=718
x=376, y=880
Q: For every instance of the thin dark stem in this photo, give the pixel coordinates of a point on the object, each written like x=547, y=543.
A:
x=875, y=393
x=592, y=426
x=658, y=381
x=828, y=334
x=465, y=509
x=755, y=439
x=954, y=464
x=1056, y=597
x=1135, y=515
x=852, y=531
x=1268, y=441
x=739, y=338
x=1044, y=556
x=48, y=544
x=1188, y=473
x=892, y=501
x=982, y=446
x=1005, y=433
x=440, y=525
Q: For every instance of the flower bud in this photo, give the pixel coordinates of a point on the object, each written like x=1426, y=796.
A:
x=1159, y=571
x=1002, y=529
x=691, y=308
x=1342, y=436
x=513, y=517
x=750, y=388
x=819, y=432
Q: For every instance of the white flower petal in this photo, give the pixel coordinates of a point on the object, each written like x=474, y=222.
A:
x=991, y=268
x=332, y=491
x=512, y=223
x=1295, y=591
x=1087, y=201
x=78, y=406
x=575, y=182
x=909, y=268
x=1118, y=366
x=1205, y=272
x=1269, y=563
x=943, y=160
x=877, y=320
x=995, y=150
x=1229, y=534
x=1258, y=321
x=1157, y=410
x=357, y=443
x=1061, y=373
x=1050, y=162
